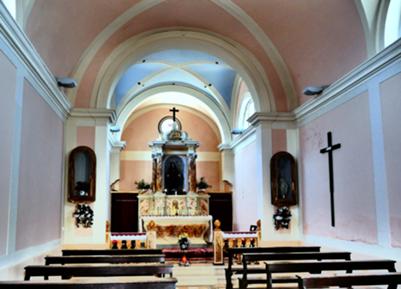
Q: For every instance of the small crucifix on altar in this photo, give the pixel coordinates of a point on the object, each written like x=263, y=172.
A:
x=174, y=111
x=329, y=149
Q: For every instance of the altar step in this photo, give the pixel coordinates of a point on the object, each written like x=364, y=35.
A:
x=200, y=276
x=202, y=254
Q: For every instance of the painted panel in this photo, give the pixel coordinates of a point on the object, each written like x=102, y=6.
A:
x=7, y=129
x=132, y=171
x=86, y=136
x=40, y=179
x=391, y=108
x=353, y=174
x=279, y=140
x=245, y=194
x=211, y=171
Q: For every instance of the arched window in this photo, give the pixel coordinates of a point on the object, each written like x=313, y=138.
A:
x=11, y=6
x=392, y=29
x=246, y=110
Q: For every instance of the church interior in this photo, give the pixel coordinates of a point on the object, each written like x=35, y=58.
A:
x=190, y=138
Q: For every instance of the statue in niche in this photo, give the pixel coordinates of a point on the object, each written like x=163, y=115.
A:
x=283, y=180
x=173, y=177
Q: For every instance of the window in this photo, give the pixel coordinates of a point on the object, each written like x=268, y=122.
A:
x=246, y=110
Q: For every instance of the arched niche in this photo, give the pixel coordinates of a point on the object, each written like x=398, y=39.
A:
x=82, y=175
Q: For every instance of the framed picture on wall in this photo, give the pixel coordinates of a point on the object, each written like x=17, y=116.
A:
x=283, y=170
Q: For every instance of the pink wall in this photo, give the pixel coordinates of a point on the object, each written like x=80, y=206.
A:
x=40, y=176
x=391, y=108
x=353, y=174
x=86, y=136
x=279, y=140
x=245, y=190
x=7, y=113
x=198, y=128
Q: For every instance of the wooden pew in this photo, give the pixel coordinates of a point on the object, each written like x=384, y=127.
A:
x=247, y=258
x=318, y=267
x=390, y=279
x=80, y=252
x=99, y=283
x=231, y=252
x=67, y=272
x=62, y=260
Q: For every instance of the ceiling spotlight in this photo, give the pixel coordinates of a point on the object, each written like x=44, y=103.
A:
x=66, y=82
x=314, y=90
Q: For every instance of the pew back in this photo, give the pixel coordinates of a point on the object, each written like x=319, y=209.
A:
x=67, y=272
x=99, y=283
x=109, y=259
x=91, y=252
x=390, y=279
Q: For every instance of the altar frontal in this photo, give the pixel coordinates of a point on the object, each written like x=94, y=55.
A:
x=174, y=208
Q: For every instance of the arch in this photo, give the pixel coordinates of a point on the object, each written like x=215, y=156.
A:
x=139, y=46
x=216, y=113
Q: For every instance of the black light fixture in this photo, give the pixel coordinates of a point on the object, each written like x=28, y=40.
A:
x=66, y=82
x=314, y=90
x=237, y=131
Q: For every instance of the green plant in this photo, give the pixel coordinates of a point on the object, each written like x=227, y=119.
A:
x=202, y=184
x=142, y=185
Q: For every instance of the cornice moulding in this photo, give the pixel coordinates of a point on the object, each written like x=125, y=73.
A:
x=94, y=113
x=23, y=49
x=272, y=117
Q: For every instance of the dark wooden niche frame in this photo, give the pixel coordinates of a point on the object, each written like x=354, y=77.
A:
x=283, y=171
x=79, y=191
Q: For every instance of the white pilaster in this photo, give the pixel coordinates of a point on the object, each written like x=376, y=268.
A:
x=265, y=210
x=227, y=163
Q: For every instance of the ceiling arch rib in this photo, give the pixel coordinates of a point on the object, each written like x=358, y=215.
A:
x=136, y=48
x=183, y=96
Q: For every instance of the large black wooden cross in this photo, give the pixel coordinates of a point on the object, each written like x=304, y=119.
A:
x=329, y=149
x=174, y=110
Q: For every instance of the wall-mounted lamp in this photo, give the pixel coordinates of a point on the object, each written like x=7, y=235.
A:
x=237, y=131
x=314, y=90
x=114, y=129
x=66, y=82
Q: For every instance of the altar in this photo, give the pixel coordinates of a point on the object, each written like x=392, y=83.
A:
x=198, y=229
x=174, y=208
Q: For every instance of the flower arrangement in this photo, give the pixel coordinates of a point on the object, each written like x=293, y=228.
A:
x=282, y=218
x=83, y=215
x=142, y=185
x=202, y=184
x=183, y=241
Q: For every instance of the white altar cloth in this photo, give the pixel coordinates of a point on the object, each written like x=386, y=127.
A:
x=170, y=226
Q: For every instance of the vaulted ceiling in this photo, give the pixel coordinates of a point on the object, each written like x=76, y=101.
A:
x=295, y=43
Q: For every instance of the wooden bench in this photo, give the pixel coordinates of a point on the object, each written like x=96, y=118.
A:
x=318, y=267
x=99, y=283
x=231, y=252
x=62, y=260
x=247, y=258
x=67, y=272
x=390, y=279
x=91, y=252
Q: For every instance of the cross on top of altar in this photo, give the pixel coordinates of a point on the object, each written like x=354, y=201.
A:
x=174, y=111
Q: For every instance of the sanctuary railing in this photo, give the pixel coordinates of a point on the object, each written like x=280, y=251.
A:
x=127, y=240
x=233, y=239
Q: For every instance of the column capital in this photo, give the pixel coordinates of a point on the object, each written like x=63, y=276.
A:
x=274, y=119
